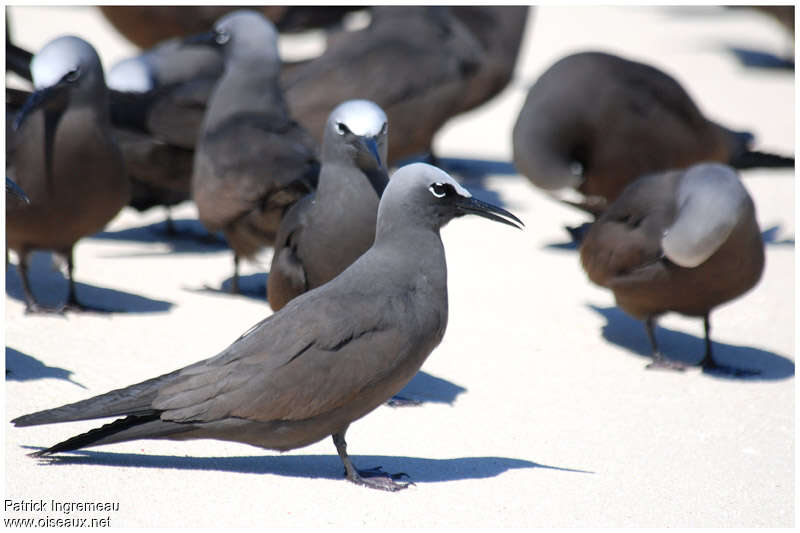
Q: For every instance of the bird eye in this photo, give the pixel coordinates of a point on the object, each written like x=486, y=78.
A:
x=342, y=128
x=72, y=75
x=383, y=129
x=222, y=37
x=440, y=190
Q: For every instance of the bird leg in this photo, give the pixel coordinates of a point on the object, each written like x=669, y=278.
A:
x=235, y=281
x=72, y=303
x=374, y=478
x=659, y=361
x=709, y=365
x=30, y=302
x=170, y=229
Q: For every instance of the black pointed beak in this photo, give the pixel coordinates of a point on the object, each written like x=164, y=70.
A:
x=369, y=160
x=209, y=38
x=52, y=98
x=372, y=147
x=16, y=190
x=474, y=206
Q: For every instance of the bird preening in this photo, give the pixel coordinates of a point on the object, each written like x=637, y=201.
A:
x=682, y=241
x=327, y=358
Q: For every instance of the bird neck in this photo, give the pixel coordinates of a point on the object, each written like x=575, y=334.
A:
x=251, y=92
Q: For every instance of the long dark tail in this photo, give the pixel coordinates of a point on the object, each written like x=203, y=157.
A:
x=753, y=159
x=94, y=436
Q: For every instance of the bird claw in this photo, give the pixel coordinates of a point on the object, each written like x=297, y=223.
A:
x=36, y=309
x=666, y=364
x=376, y=478
x=402, y=401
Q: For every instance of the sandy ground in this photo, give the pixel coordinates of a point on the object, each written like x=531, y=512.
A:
x=537, y=409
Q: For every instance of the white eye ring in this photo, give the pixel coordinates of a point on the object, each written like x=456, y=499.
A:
x=73, y=74
x=222, y=37
x=433, y=187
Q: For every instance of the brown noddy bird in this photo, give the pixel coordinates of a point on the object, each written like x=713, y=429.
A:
x=415, y=62
x=61, y=152
x=683, y=241
x=252, y=161
x=595, y=122
x=158, y=102
x=329, y=357
x=500, y=30
x=327, y=230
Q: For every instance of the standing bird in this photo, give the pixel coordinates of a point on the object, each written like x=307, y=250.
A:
x=158, y=101
x=684, y=241
x=62, y=154
x=252, y=161
x=328, y=358
x=595, y=122
x=327, y=230
x=415, y=62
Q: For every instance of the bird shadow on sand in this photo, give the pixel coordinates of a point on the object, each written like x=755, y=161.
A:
x=23, y=367
x=253, y=286
x=420, y=470
x=425, y=388
x=190, y=237
x=763, y=60
x=50, y=288
x=625, y=331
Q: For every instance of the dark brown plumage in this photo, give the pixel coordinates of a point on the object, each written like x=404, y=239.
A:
x=147, y=25
x=252, y=161
x=499, y=30
x=596, y=122
x=64, y=158
x=682, y=241
x=326, y=231
x=415, y=62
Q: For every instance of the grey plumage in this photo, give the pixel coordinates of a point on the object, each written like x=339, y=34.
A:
x=683, y=241
x=326, y=231
x=252, y=161
x=595, y=122
x=158, y=101
x=62, y=154
x=328, y=358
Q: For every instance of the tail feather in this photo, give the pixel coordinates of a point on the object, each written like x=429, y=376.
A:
x=95, y=436
x=134, y=400
x=754, y=159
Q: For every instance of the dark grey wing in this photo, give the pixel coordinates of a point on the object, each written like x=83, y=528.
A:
x=176, y=117
x=132, y=400
x=287, y=274
x=248, y=164
x=317, y=354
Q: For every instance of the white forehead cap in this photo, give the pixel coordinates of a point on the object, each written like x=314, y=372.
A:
x=58, y=57
x=362, y=117
x=130, y=75
x=426, y=175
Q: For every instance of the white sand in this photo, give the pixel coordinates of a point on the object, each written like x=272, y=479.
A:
x=539, y=411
